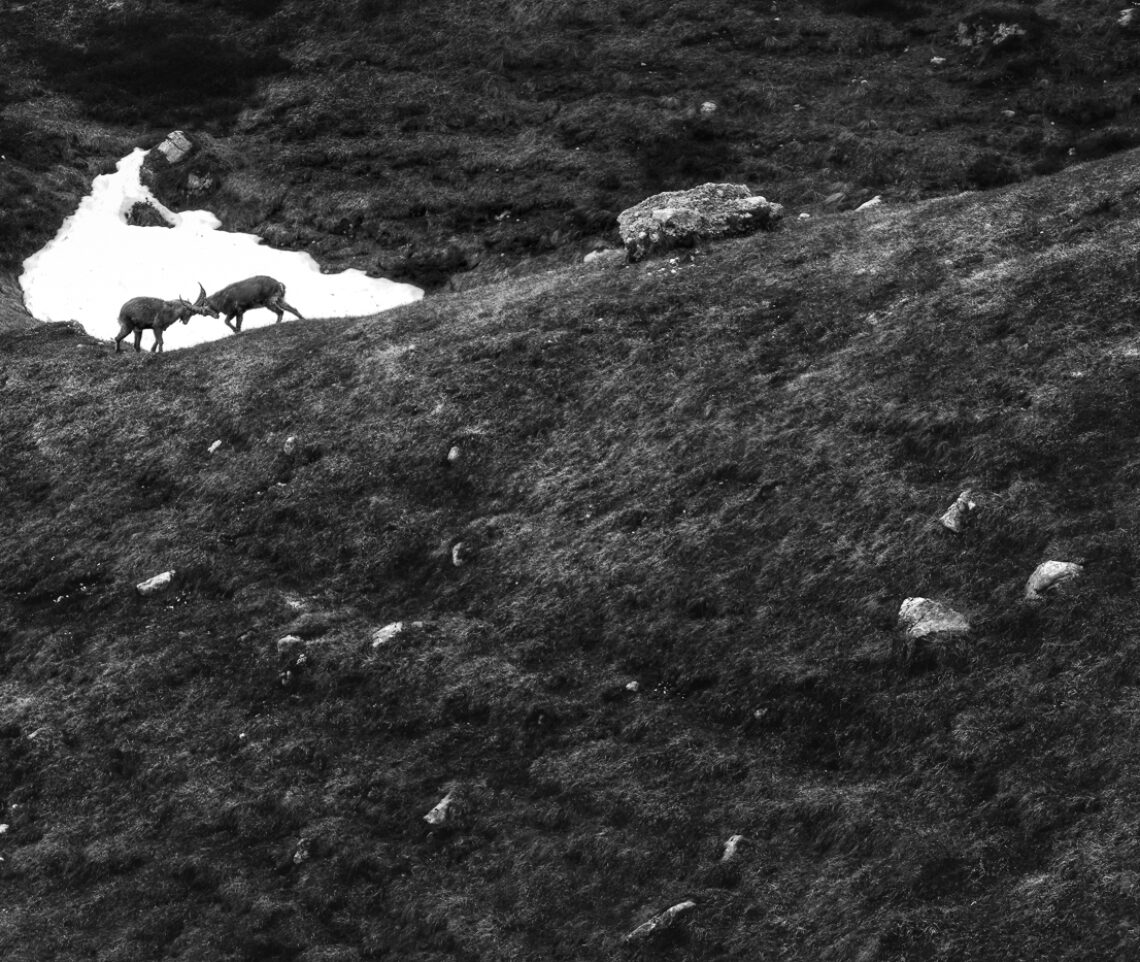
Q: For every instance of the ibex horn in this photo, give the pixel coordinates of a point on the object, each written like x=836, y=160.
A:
x=201, y=295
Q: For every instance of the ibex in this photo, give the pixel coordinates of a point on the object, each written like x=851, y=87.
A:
x=154, y=314
x=253, y=292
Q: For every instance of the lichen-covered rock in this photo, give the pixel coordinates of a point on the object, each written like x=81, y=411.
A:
x=683, y=218
x=922, y=617
x=731, y=847
x=1049, y=575
x=143, y=214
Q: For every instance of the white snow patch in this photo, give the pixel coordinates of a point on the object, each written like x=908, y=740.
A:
x=97, y=262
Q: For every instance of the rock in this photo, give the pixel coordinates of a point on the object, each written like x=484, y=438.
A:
x=1049, y=575
x=290, y=446
x=922, y=617
x=731, y=846
x=957, y=516
x=633, y=686
x=156, y=584
x=290, y=645
x=804, y=215
x=176, y=147
x=460, y=554
x=214, y=447
x=684, y=217
x=381, y=636
x=867, y=204
x=1128, y=17
x=442, y=811
x=454, y=454
x=708, y=108
x=659, y=922
x=938, y=61
x=986, y=30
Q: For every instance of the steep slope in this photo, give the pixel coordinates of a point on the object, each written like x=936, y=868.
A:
x=716, y=477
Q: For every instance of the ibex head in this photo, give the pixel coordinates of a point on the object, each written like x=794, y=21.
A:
x=200, y=306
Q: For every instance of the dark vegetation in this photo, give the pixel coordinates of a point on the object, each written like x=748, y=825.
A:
x=717, y=477
x=426, y=142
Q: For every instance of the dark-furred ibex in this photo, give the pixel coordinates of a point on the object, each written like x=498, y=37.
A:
x=154, y=314
x=261, y=291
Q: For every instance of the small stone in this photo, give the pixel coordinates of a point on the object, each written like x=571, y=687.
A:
x=214, y=447
x=805, y=216
x=922, y=617
x=957, y=516
x=156, y=584
x=290, y=446
x=3, y=829
x=454, y=454
x=381, y=636
x=661, y=921
x=938, y=61
x=867, y=204
x=634, y=686
x=439, y=814
x=708, y=108
x=176, y=146
x=730, y=847
x=1049, y=575
x=459, y=554
x=289, y=645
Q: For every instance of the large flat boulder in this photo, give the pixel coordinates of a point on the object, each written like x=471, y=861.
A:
x=683, y=218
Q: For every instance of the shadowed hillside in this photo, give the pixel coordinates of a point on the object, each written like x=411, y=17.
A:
x=717, y=477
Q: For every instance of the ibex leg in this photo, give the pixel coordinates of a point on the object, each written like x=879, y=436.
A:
x=229, y=323
x=138, y=339
x=157, y=346
x=123, y=332
x=291, y=310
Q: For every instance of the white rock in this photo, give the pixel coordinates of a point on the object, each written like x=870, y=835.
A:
x=708, y=108
x=290, y=445
x=453, y=454
x=634, y=686
x=805, y=216
x=176, y=146
x=439, y=814
x=938, y=61
x=459, y=554
x=381, y=636
x=1127, y=17
x=289, y=644
x=661, y=921
x=730, y=847
x=957, y=515
x=867, y=204
x=922, y=617
x=214, y=447
x=1050, y=574
x=156, y=584
x=3, y=829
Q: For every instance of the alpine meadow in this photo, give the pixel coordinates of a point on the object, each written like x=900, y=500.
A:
x=766, y=597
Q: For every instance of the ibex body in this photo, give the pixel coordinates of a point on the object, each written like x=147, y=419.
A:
x=154, y=314
x=261, y=291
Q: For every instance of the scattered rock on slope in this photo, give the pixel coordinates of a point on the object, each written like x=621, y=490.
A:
x=661, y=921
x=682, y=218
x=1049, y=575
x=922, y=617
x=957, y=516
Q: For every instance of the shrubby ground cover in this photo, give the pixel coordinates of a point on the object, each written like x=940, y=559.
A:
x=717, y=477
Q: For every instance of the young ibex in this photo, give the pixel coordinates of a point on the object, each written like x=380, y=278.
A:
x=253, y=292
x=154, y=314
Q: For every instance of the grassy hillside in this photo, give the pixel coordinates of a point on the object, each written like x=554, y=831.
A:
x=425, y=142
x=716, y=477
